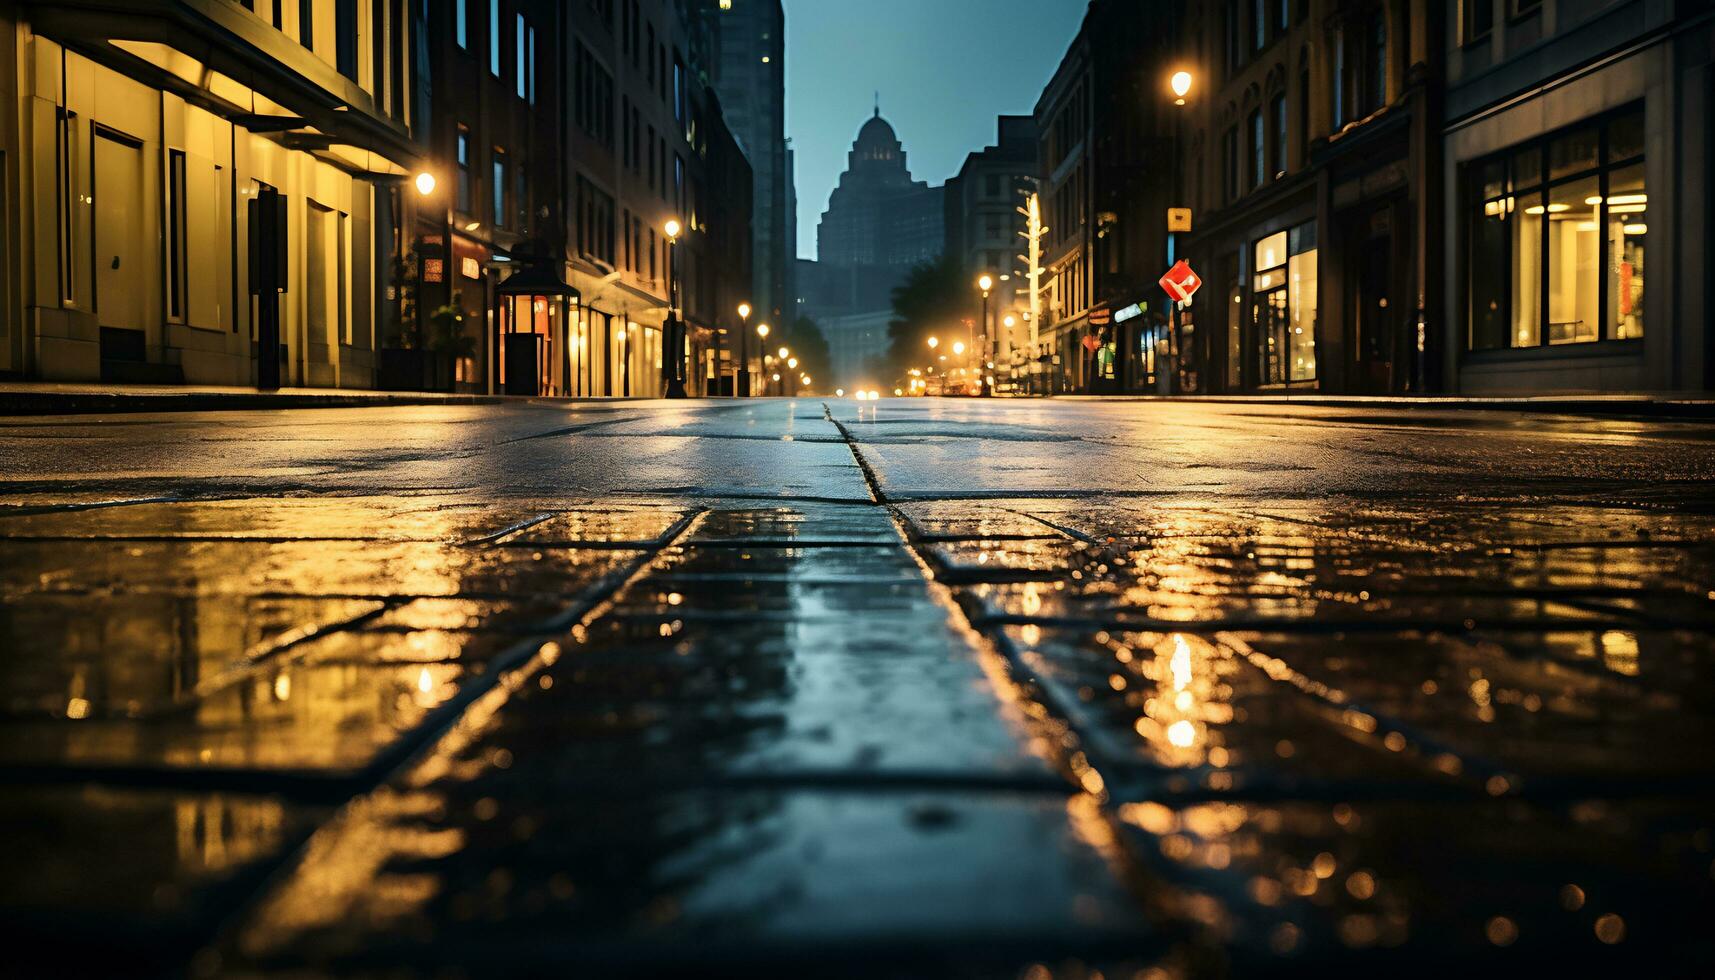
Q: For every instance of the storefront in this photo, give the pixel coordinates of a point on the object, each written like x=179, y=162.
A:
x=1578, y=259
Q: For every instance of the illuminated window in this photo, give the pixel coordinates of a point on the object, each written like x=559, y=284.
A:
x=1557, y=236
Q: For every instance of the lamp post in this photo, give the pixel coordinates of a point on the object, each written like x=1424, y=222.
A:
x=1180, y=84
x=761, y=332
x=986, y=284
x=741, y=383
x=673, y=364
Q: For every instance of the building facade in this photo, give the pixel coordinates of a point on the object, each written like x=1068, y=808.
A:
x=133, y=144
x=751, y=81
x=879, y=215
x=986, y=227
x=1107, y=174
x=647, y=144
x=494, y=81
x=1576, y=145
x=1317, y=195
x=880, y=224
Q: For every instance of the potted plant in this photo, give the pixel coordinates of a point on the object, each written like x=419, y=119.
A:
x=449, y=344
x=403, y=362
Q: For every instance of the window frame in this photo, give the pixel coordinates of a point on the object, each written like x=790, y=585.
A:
x=1539, y=190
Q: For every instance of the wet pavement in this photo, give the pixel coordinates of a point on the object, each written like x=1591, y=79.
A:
x=838, y=688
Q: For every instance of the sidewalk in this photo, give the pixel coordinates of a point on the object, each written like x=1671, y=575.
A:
x=1652, y=405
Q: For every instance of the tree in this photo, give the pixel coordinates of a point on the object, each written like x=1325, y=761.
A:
x=810, y=347
x=934, y=300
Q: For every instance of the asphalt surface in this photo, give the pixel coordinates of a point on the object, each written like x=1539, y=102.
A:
x=810, y=687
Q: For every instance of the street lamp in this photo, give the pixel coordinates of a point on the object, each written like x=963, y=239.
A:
x=741, y=384
x=1181, y=85
x=762, y=332
x=673, y=365
x=425, y=183
x=985, y=282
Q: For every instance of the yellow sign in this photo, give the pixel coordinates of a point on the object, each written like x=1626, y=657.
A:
x=1178, y=219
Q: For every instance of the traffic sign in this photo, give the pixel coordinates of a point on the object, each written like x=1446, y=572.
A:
x=1181, y=283
x=1178, y=219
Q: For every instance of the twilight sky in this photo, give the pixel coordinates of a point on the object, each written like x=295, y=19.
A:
x=945, y=70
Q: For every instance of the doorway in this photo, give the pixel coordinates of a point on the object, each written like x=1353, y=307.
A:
x=121, y=279
x=1372, y=334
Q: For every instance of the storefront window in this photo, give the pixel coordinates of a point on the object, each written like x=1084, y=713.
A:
x=1573, y=285
x=1268, y=309
x=1628, y=224
x=1301, y=305
x=1284, y=306
x=1556, y=239
x=1489, y=280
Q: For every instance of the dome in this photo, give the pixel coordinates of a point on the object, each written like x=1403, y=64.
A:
x=877, y=143
x=877, y=134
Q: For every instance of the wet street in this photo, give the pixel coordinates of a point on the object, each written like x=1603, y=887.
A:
x=820, y=688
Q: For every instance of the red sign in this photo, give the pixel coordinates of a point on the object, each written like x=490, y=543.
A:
x=1092, y=343
x=1101, y=316
x=1181, y=283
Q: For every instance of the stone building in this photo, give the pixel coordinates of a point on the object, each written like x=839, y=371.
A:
x=1576, y=143
x=134, y=138
x=1314, y=155
x=751, y=80
x=1107, y=174
x=985, y=228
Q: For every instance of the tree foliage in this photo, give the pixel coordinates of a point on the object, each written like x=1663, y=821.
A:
x=810, y=347
x=934, y=299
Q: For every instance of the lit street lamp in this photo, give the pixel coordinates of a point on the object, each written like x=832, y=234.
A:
x=761, y=331
x=986, y=284
x=673, y=365
x=1180, y=83
x=741, y=384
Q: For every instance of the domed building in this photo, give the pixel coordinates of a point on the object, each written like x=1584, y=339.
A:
x=878, y=215
x=879, y=224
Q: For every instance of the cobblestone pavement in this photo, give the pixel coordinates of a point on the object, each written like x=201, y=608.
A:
x=902, y=688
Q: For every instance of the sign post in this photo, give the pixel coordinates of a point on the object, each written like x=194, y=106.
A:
x=1180, y=284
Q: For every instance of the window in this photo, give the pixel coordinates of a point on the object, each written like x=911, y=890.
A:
x=1259, y=150
x=1283, y=293
x=1235, y=31
x=1230, y=153
x=461, y=23
x=1259, y=22
x=494, y=38
x=1522, y=8
x=1277, y=111
x=306, y=22
x=176, y=234
x=1556, y=238
x=1476, y=19
x=594, y=108
x=523, y=65
x=531, y=96
x=500, y=187
x=463, y=203
x=345, y=37
x=1304, y=116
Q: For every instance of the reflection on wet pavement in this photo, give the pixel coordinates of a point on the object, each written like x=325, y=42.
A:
x=860, y=724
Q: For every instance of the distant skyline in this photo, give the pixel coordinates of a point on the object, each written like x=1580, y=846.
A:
x=944, y=69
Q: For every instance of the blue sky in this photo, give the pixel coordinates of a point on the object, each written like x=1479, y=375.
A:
x=945, y=70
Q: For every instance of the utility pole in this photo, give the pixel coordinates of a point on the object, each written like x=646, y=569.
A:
x=1033, y=234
